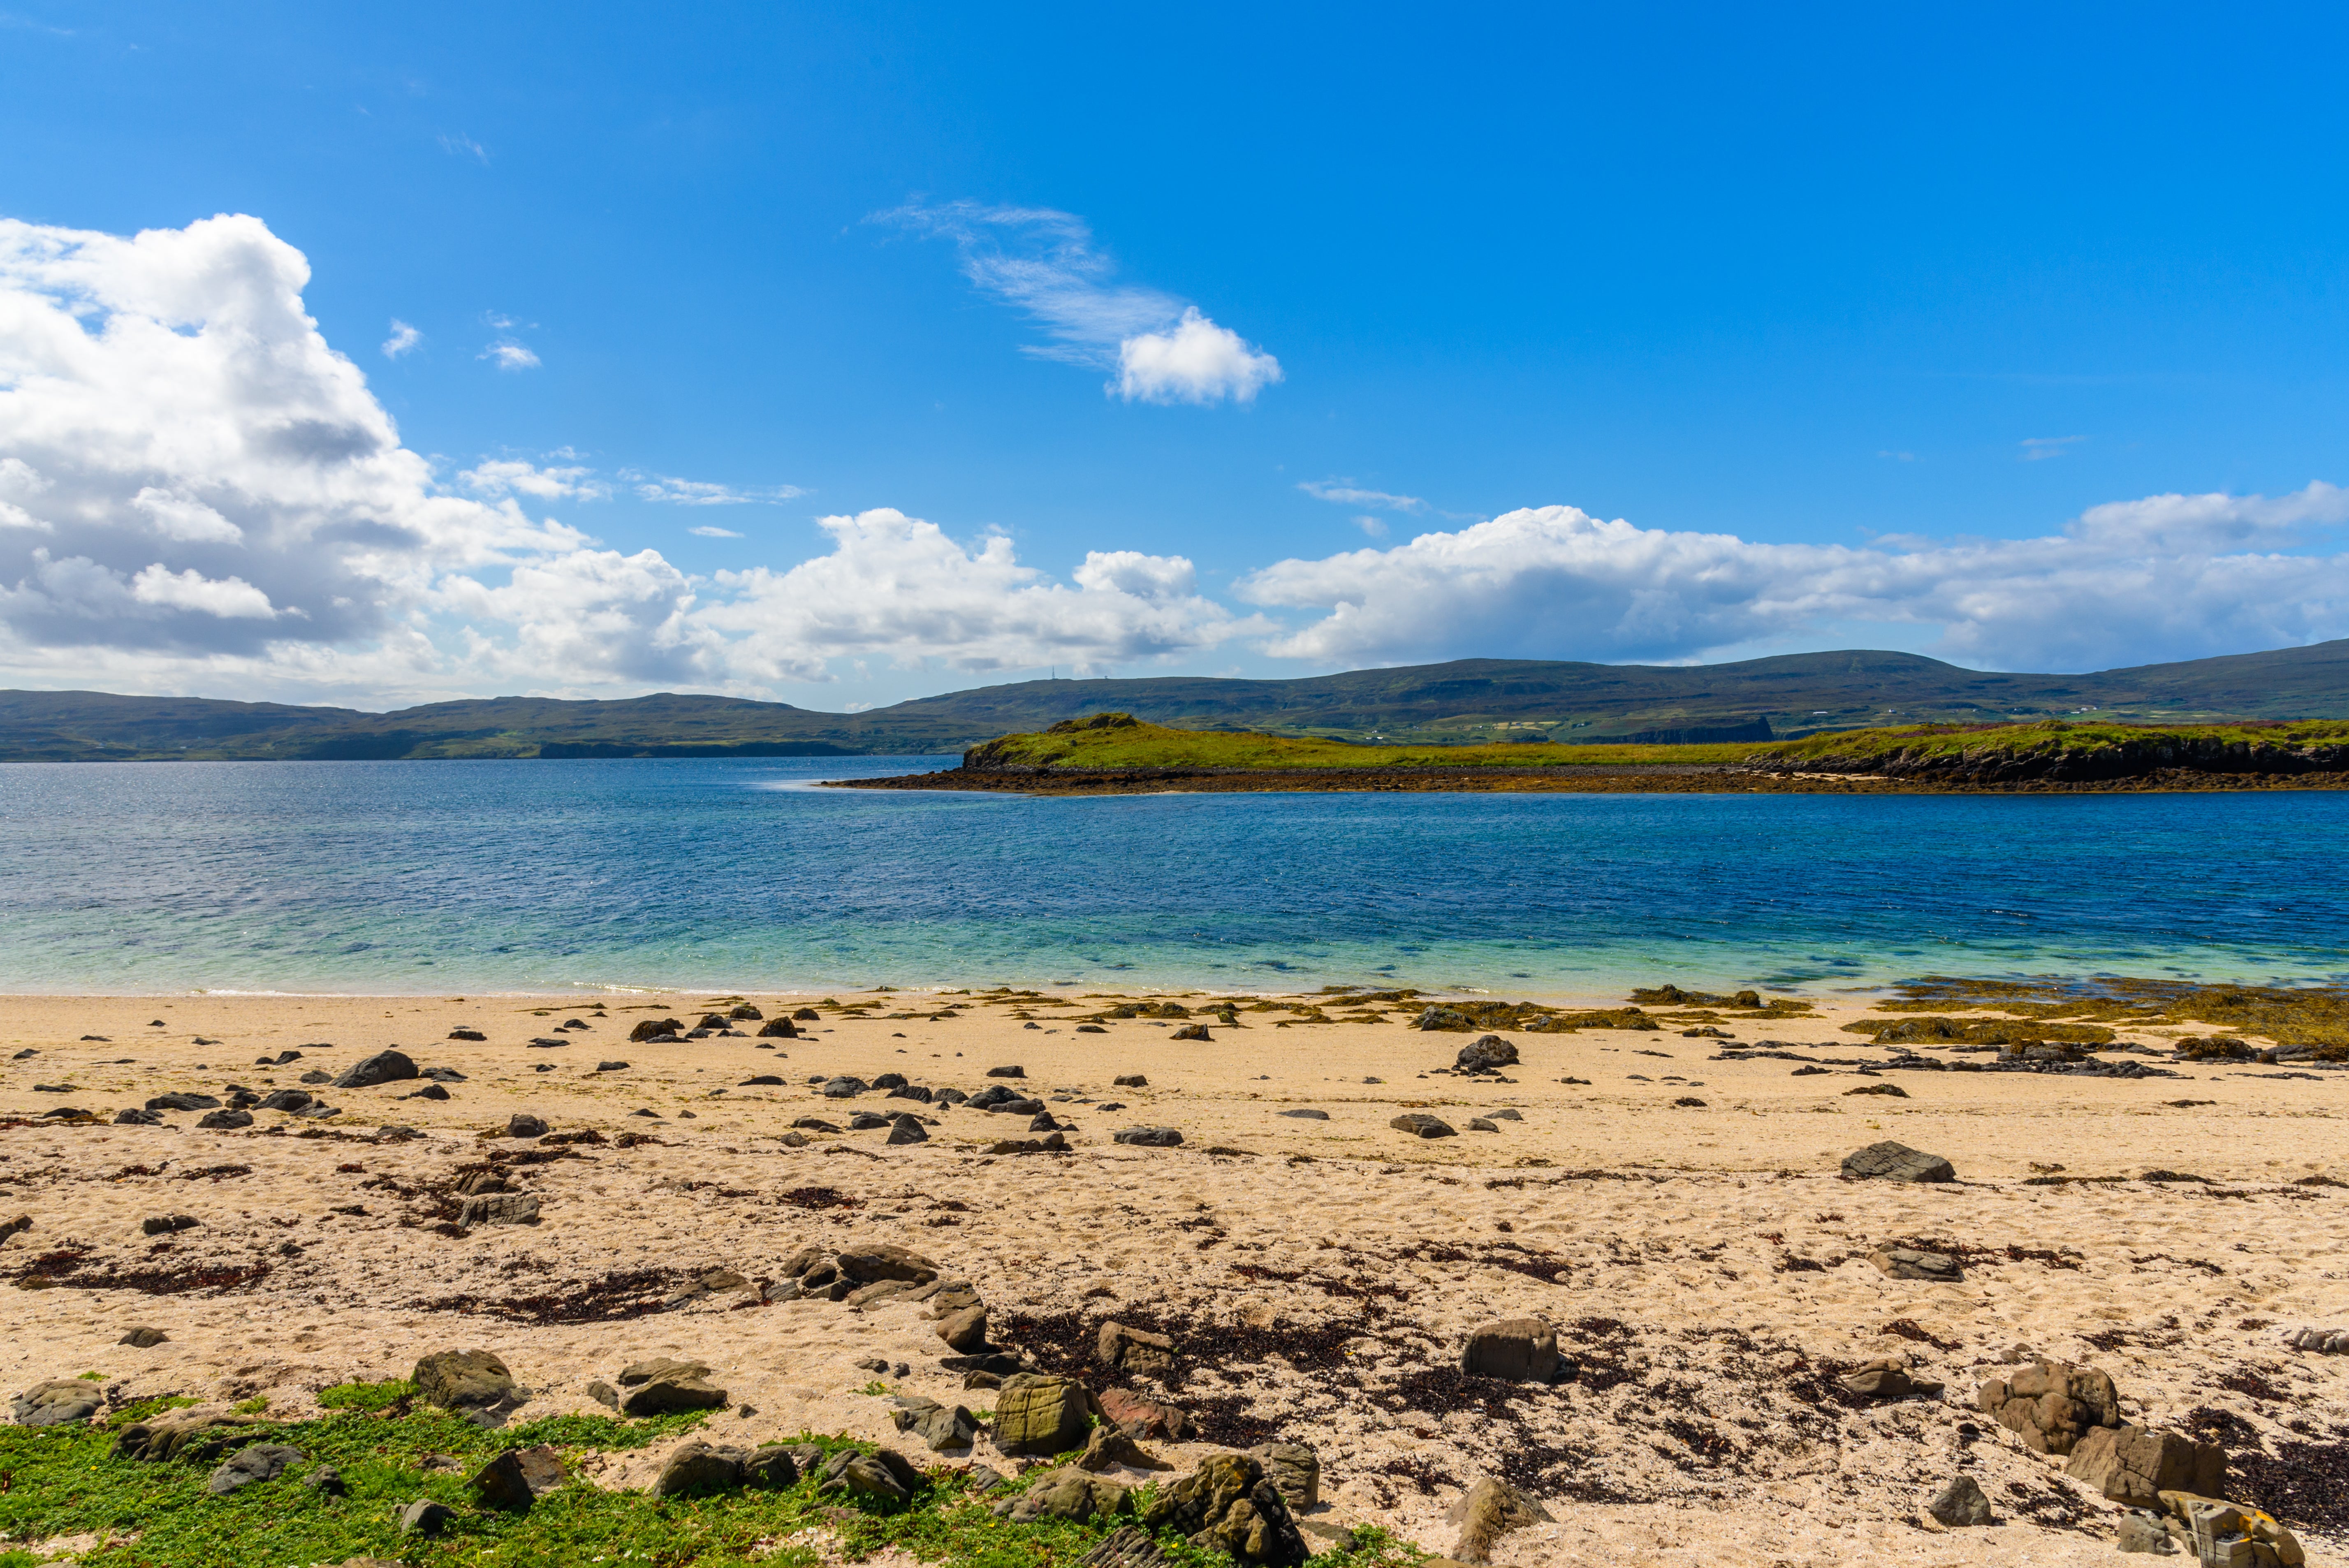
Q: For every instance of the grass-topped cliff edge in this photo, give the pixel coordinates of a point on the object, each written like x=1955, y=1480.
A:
x=1115, y=752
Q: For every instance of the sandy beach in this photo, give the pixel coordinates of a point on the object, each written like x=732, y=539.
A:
x=1678, y=1218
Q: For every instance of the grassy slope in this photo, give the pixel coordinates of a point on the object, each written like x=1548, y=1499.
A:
x=1081, y=746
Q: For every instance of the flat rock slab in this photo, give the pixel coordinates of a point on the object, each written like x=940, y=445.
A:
x=1150, y=1136
x=1419, y=1124
x=1890, y=1161
x=60, y=1402
x=254, y=1462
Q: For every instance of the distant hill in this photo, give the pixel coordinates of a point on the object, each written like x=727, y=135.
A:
x=1467, y=701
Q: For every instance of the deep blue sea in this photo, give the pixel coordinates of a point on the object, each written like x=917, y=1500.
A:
x=556, y=876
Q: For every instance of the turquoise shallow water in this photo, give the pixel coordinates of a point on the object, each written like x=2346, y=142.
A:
x=548, y=876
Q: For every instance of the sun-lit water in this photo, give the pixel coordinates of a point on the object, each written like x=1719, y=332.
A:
x=438, y=876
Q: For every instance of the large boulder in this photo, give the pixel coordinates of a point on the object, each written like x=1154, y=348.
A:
x=1486, y=1053
x=1037, y=1413
x=1228, y=1505
x=1522, y=1348
x=384, y=1067
x=2051, y=1406
x=457, y=1380
x=1890, y=1161
x=59, y=1402
x=668, y=1389
x=1124, y=1349
x=2133, y=1466
x=253, y=1463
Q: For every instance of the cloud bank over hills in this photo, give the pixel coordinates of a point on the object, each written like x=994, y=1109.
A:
x=198, y=493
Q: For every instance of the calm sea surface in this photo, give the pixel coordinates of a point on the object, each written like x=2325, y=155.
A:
x=551, y=876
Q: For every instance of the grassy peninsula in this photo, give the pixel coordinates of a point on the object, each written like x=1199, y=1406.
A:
x=1117, y=753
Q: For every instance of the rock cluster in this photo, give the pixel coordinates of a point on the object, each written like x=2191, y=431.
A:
x=2052, y=1404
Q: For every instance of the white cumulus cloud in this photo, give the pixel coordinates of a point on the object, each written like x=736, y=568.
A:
x=1195, y=362
x=1045, y=263
x=2167, y=577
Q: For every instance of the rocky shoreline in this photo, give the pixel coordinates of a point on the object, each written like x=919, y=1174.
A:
x=1741, y=779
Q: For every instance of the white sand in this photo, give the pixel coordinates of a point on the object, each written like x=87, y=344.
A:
x=1683, y=1243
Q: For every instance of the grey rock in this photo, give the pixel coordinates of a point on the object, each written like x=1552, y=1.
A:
x=1303, y=1114
x=226, y=1120
x=603, y=1393
x=501, y=1484
x=1523, y=1349
x=166, y=1224
x=611, y=1066
x=59, y=1402
x=1907, y=1262
x=1478, y=1124
x=773, y=1465
x=942, y=1426
x=384, y=1067
x=866, y=1121
x=426, y=1517
x=522, y=1124
x=966, y=1331
x=843, y=1087
x=1491, y=1509
x=1007, y=1072
x=1150, y=1136
x=1190, y=1032
x=884, y=1477
x=327, y=1482
x=429, y=1091
x=1961, y=1504
x=143, y=1338
x=1068, y=1492
x=905, y=1130
x=2140, y=1532
x=1123, y=1349
x=671, y=1394
x=1890, y=1161
x=695, y=1468
x=181, y=1101
x=317, y=1075
x=499, y=1208
x=460, y=1379
x=1131, y=1080
x=1485, y=1054
x=131, y=1116
x=287, y=1099
x=1294, y=1469
x=1419, y=1124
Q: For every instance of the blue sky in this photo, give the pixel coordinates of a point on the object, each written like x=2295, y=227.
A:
x=1797, y=282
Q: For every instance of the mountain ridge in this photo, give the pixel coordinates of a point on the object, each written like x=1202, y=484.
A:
x=1462, y=701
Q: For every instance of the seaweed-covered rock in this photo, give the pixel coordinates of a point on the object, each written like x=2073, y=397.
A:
x=1228, y=1505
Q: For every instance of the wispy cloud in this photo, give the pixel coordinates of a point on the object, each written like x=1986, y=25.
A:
x=673, y=491
x=2039, y=449
x=1371, y=526
x=497, y=477
x=1045, y=262
x=459, y=146
x=403, y=338
x=508, y=355
x=1345, y=493
x=705, y=531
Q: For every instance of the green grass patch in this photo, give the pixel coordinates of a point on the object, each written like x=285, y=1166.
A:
x=366, y=1396
x=1078, y=746
x=67, y=1482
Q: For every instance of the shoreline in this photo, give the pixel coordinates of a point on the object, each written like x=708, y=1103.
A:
x=1596, y=779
